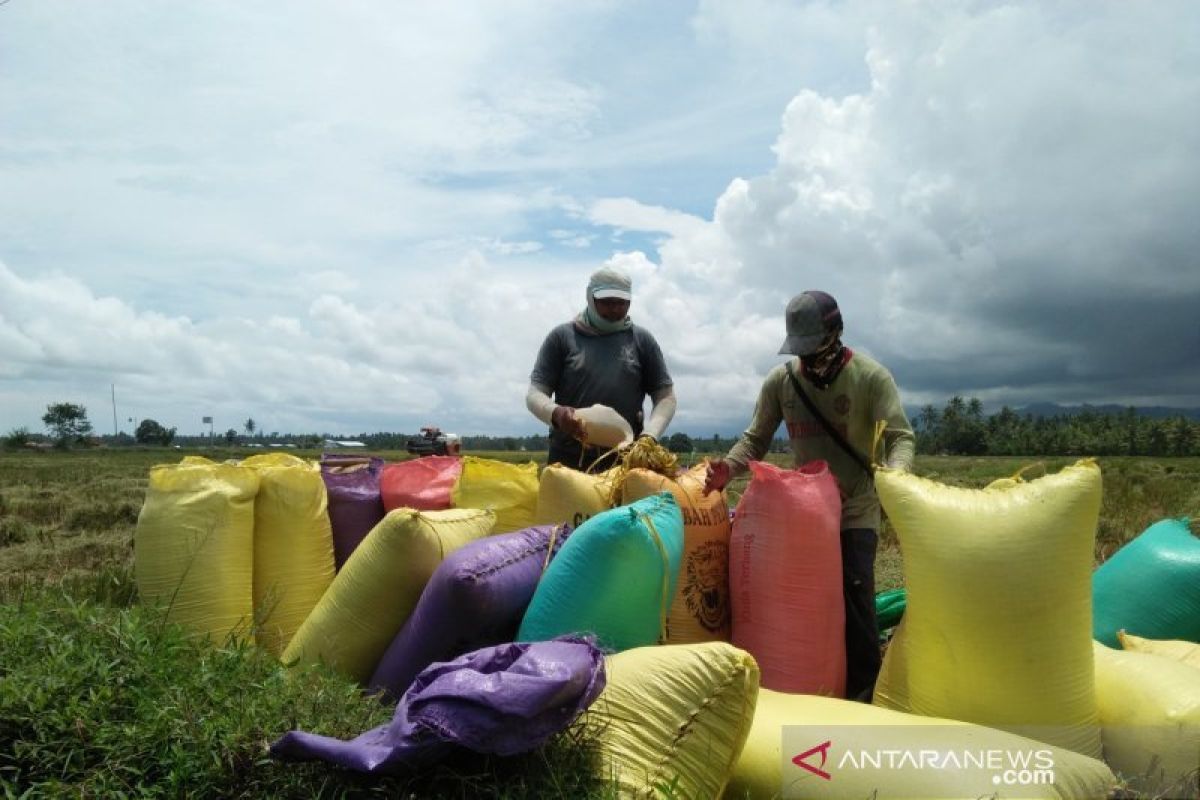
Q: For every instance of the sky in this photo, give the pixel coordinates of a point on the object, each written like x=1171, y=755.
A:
x=366, y=216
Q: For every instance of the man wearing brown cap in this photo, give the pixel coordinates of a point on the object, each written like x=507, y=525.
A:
x=601, y=358
x=830, y=397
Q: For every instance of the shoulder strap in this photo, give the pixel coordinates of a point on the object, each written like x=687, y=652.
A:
x=832, y=431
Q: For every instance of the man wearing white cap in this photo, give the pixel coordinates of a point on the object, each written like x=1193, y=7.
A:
x=830, y=399
x=602, y=358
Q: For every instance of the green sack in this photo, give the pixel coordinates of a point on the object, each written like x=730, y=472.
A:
x=615, y=577
x=889, y=608
x=1150, y=587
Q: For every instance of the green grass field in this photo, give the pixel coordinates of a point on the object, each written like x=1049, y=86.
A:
x=99, y=698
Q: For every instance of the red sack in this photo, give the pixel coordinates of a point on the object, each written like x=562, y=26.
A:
x=785, y=578
x=422, y=483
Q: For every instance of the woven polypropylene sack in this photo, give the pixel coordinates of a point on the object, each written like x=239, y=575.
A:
x=700, y=611
x=193, y=548
x=355, y=506
x=889, y=608
x=785, y=576
x=997, y=626
x=568, y=496
x=1187, y=652
x=852, y=734
x=370, y=599
x=1150, y=718
x=475, y=598
x=614, y=578
x=673, y=716
x=422, y=483
x=1151, y=586
x=293, y=546
x=603, y=427
x=508, y=490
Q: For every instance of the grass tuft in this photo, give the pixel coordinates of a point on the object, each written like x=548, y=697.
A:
x=102, y=701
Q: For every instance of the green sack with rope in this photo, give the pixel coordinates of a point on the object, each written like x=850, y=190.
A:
x=614, y=578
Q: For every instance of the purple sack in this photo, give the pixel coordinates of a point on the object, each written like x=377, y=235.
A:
x=355, y=505
x=475, y=598
x=503, y=700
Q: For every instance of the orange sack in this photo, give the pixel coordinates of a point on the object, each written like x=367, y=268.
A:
x=785, y=577
x=700, y=611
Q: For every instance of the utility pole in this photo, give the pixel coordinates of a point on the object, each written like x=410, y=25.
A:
x=114, y=405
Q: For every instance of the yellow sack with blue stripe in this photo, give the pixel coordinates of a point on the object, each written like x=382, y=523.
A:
x=378, y=587
x=293, y=546
x=510, y=491
x=193, y=549
x=998, y=625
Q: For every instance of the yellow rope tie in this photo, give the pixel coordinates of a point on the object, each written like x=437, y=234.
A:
x=881, y=426
x=1019, y=475
x=644, y=453
x=666, y=579
x=557, y=529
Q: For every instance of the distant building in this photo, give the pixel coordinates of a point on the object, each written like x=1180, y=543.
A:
x=331, y=444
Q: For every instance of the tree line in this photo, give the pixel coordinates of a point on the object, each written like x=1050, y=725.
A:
x=961, y=428
x=958, y=428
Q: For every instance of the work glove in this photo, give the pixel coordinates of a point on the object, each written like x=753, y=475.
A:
x=716, y=477
x=563, y=419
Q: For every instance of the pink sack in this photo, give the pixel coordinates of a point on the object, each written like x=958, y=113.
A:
x=421, y=483
x=785, y=578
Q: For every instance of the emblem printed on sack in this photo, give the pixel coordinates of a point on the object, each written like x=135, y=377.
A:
x=841, y=404
x=706, y=588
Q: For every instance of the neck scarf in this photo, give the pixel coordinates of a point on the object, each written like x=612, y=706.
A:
x=822, y=369
x=590, y=322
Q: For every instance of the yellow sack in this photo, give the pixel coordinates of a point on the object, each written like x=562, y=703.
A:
x=700, y=611
x=1187, y=652
x=572, y=497
x=1150, y=718
x=508, y=490
x=673, y=713
x=998, y=625
x=854, y=750
x=293, y=546
x=378, y=587
x=193, y=549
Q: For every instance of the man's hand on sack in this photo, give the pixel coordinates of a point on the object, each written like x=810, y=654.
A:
x=716, y=477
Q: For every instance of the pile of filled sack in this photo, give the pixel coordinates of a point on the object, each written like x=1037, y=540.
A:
x=702, y=650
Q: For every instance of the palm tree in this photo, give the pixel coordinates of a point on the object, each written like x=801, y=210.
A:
x=249, y=426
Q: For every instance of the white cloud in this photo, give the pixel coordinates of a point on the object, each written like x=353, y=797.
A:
x=368, y=217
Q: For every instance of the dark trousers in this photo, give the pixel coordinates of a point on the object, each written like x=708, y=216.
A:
x=863, y=658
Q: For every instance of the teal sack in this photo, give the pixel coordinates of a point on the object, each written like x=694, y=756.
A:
x=615, y=577
x=1150, y=587
x=889, y=608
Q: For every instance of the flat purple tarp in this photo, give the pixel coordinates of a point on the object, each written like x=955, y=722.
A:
x=501, y=700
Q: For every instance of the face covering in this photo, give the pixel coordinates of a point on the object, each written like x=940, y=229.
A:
x=822, y=367
x=591, y=317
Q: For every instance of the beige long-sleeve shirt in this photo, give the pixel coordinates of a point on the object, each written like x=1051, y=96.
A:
x=862, y=393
